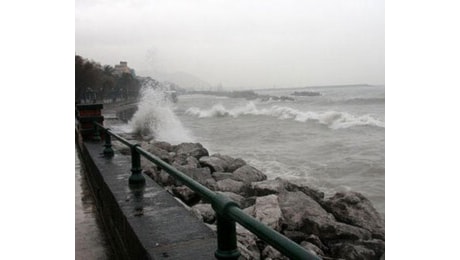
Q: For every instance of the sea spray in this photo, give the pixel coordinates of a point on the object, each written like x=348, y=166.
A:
x=155, y=117
x=333, y=119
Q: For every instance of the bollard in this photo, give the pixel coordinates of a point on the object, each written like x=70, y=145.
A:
x=136, y=177
x=108, y=151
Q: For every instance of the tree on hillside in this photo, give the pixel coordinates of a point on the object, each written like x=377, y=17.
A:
x=86, y=79
x=128, y=85
x=109, y=70
x=95, y=82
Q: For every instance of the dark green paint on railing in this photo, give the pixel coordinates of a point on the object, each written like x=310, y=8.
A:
x=108, y=151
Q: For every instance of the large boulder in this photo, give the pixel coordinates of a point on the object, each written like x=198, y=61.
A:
x=302, y=213
x=317, y=195
x=180, y=159
x=353, y=252
x=297, y=207
x=230, y=185
x=312, y=248
x=267, y=210
x=332, y=230
x=165, y=179
x=157, y=151
x=247, y=243
x=314, y=239
x=278, y=185
x=186, y=195
x=227, y=159
x=214, y=163
x=240, y=200
x=249, y=174
x=151, y=170
x=300, y=237
x=231, y=163
x=233, y=196
x=204, y=212
x=355, y=209
x=192, y=162
x=163, y=145
x=267, y=187
x=223, y=157
x=193, y=149
x=218, y=176
x=235, y=164
x=270, y=253
x=376, y=245
x=201, y=175
x=185, y=160
x=295, y=236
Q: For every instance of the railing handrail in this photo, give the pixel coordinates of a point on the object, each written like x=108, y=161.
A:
x=226, y=209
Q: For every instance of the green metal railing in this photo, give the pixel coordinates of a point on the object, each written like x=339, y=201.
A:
x=227, y=211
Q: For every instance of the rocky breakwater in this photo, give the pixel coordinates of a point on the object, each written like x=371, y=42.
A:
x=344, y=226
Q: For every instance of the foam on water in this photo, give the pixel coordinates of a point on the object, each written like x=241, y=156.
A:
x=273, y=169
x=333, y=119
x=155, y=118
x=298, y=140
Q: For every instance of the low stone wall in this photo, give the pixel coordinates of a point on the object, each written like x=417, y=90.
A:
x=145, y=223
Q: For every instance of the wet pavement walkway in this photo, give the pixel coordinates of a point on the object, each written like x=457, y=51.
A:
x=90, y=241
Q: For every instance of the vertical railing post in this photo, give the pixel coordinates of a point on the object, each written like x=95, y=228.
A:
x=226, y=239
x=136, y=177
x=96, y=135
x=226, y=229
x=108, y=151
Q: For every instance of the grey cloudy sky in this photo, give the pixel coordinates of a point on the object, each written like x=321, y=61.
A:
x=239, y=43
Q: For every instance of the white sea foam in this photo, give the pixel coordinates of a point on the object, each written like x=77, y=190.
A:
x=273, y=169
x=155, y=118
x=332, y=119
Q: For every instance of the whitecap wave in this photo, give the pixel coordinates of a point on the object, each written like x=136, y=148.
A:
x=155, y=118
x=332, y=119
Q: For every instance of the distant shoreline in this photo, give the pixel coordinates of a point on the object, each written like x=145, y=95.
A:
x=321, y=86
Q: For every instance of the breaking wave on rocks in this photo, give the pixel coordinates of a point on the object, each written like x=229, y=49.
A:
x=155, y=118
x=333, y=119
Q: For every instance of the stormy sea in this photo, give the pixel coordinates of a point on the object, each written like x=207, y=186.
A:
x=331, y=138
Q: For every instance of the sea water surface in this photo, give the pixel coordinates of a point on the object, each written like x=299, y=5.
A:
x=334, y=142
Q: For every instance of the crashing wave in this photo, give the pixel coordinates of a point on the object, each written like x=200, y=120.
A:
x=155, y=117
x=332, y=119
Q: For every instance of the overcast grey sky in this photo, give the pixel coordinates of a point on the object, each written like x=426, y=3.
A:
x=239, y=43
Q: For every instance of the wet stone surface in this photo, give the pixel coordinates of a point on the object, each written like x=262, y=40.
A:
x=90, y=242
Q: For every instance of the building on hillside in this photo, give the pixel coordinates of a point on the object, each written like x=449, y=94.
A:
x=123, y=68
